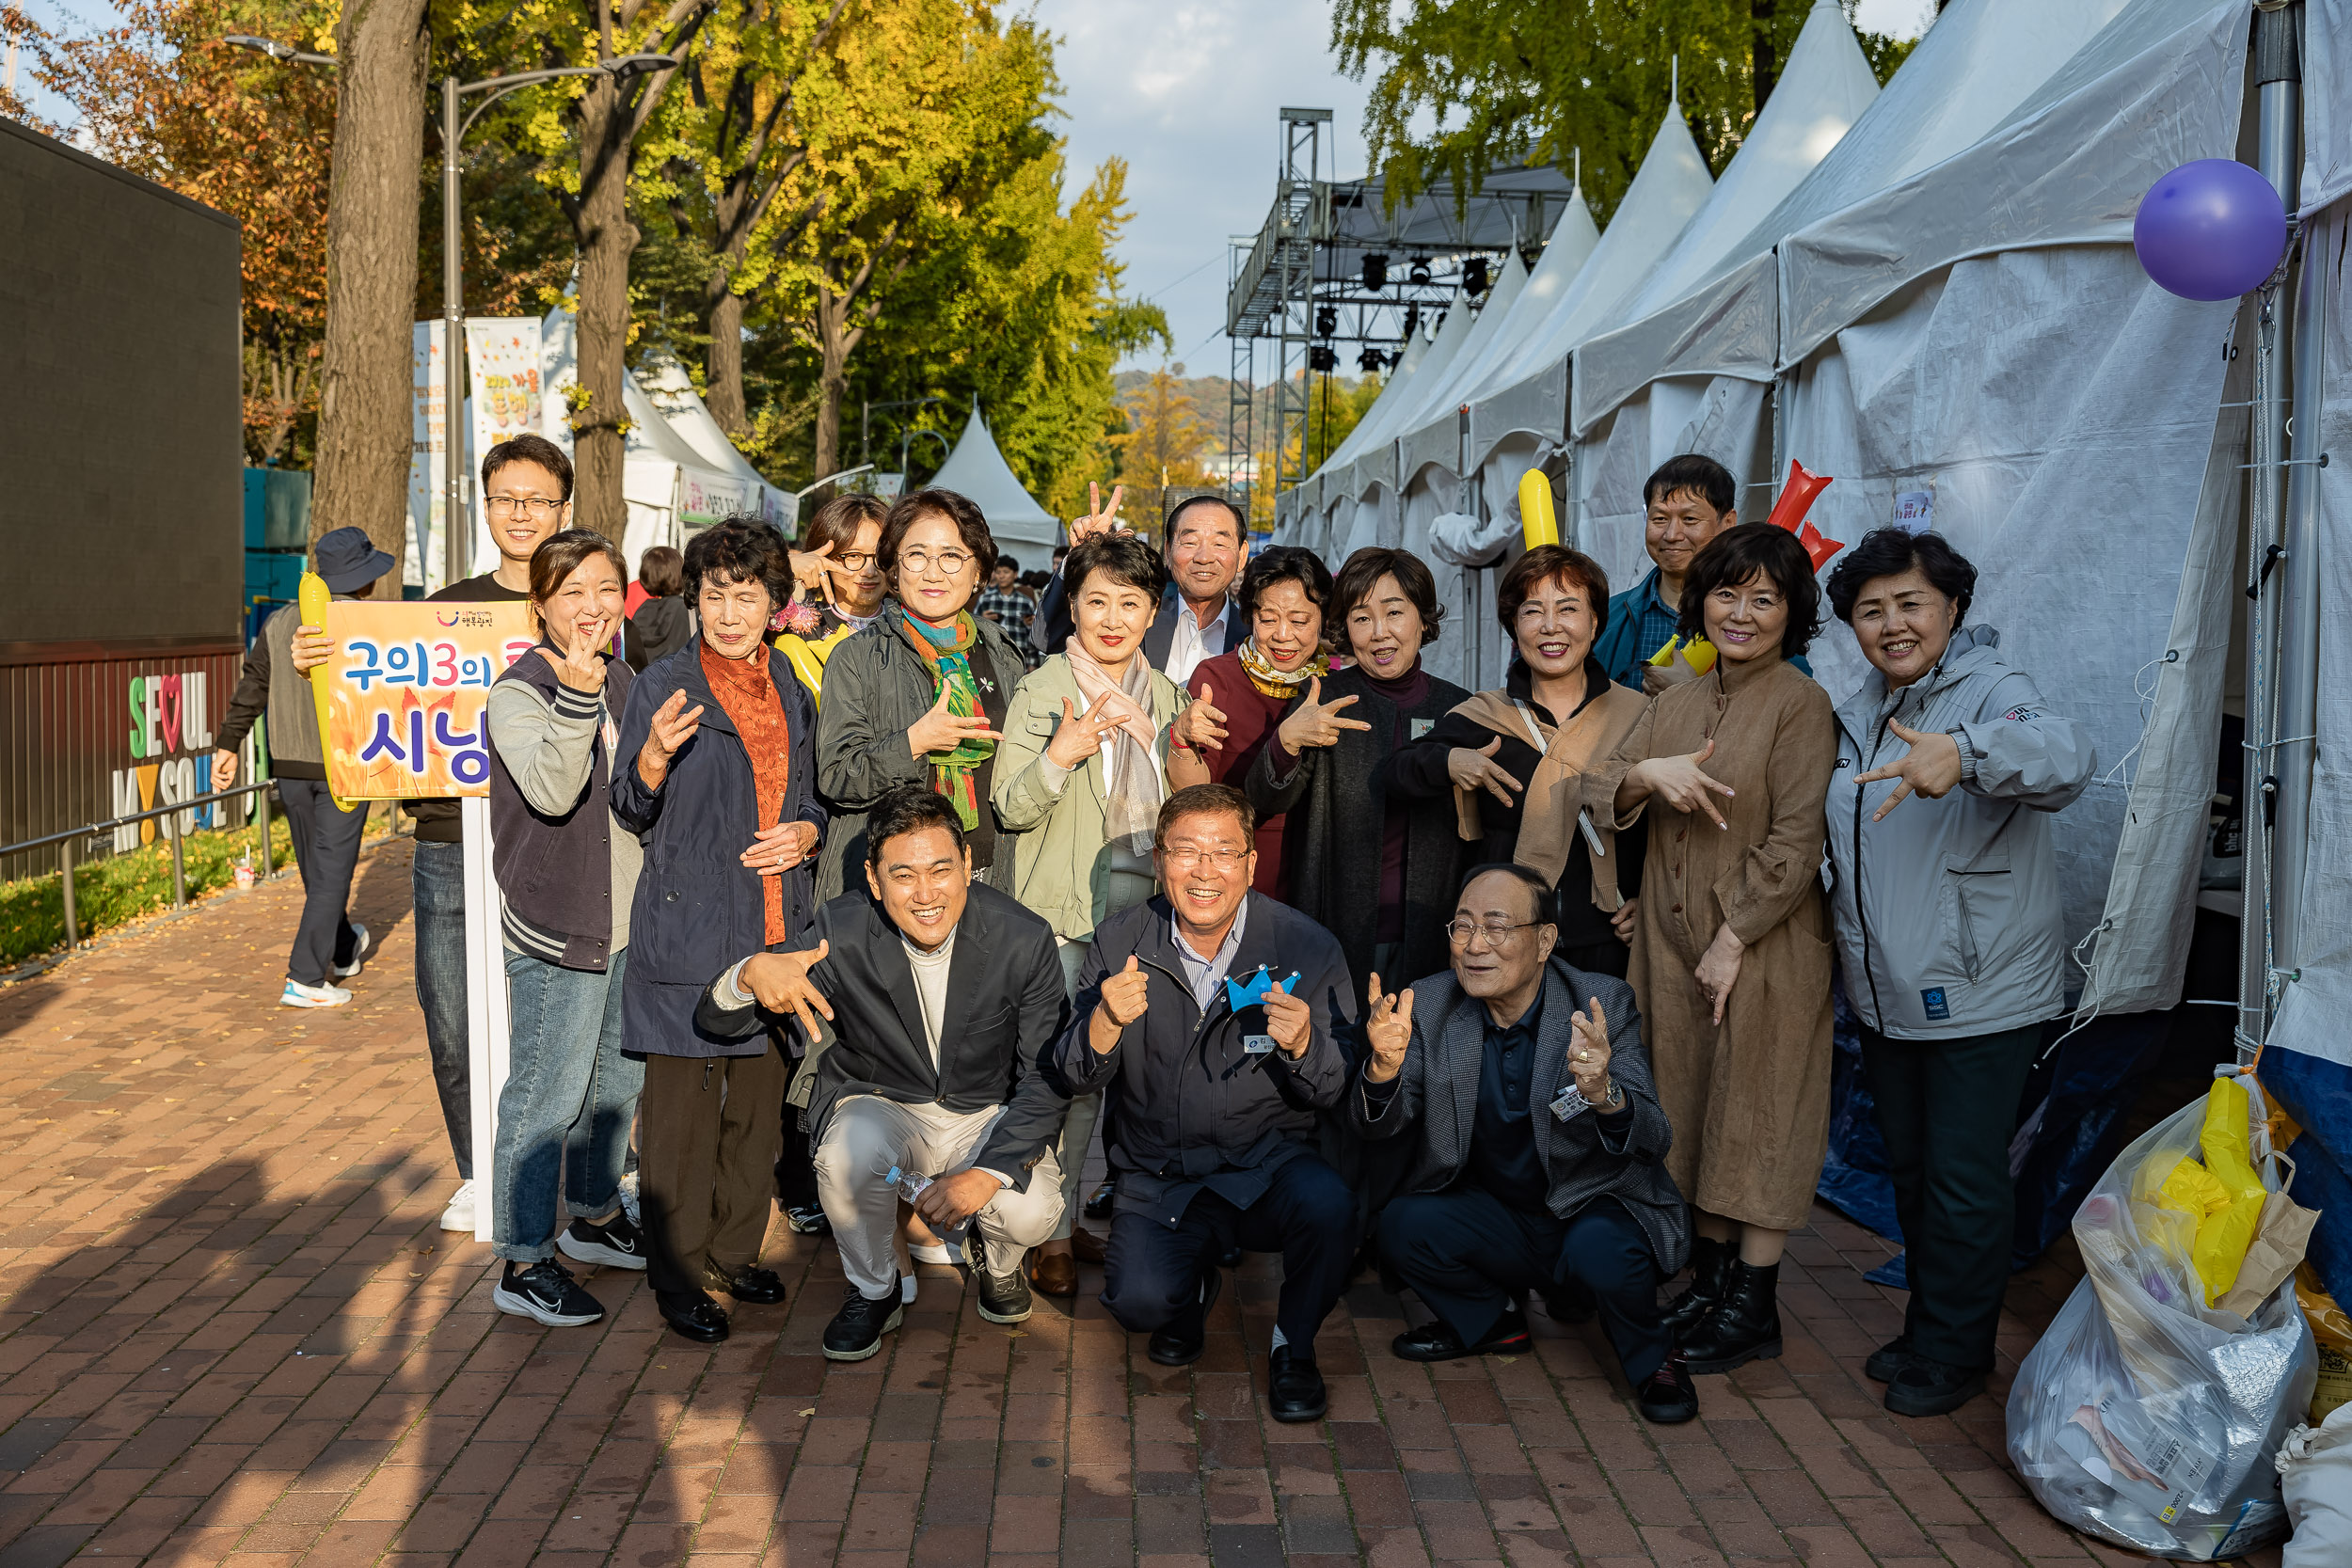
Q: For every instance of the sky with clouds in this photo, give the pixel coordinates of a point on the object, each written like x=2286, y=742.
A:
x=1188, y=92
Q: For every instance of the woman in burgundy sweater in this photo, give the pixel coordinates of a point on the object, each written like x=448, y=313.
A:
x=1240, y=696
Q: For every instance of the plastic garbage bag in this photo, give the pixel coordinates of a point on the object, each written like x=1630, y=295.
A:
x=2144, y=1417
x=2315, y=1481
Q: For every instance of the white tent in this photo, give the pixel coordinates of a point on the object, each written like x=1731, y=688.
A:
x=976, y=470
x=1429, y=431
x=1979, y=337
x=1826, y=88
x=1528, y=391
x=1300, y=514
x=671, y=391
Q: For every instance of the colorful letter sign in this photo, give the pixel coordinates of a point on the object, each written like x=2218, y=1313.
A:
x=408, y=692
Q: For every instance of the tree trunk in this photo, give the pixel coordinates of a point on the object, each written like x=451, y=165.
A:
x=606, y=239
x=834, y=341
x=365, y=385
x=1765, y=72
x=725, y=365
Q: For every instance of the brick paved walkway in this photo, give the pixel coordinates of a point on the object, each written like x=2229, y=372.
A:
x=230, y=1332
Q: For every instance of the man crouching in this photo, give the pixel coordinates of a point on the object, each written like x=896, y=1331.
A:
x=1538, y=1143
x=945, y=997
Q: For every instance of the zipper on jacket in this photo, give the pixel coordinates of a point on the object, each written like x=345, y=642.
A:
x=1861, y=911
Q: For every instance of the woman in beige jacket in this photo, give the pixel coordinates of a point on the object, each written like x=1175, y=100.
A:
x=1091, y=738
x=1731, y=958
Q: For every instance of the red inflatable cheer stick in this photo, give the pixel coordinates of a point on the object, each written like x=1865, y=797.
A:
x=1796, y=499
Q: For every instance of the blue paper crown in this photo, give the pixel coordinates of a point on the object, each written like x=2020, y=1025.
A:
x=1245, y=994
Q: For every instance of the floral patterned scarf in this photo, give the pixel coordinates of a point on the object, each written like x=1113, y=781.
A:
x=1279, y=683
x=947, y=652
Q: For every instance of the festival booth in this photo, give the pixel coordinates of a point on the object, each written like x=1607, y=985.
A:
x=976, y=470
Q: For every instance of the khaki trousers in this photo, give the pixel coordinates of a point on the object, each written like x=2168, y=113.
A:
x=866, y=1134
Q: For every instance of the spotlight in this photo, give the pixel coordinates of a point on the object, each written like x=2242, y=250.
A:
x=1326, y=320
x=1420, y=275
x=1369, y=360
x=1376, y=272
x=1474, y=275
x=1323, y=356
x=1412, y=319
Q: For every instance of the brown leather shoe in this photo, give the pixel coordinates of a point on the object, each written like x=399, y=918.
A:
x=1054, y=1274
x=1086, y=1245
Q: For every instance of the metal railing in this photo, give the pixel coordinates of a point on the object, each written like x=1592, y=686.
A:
x=68, y=837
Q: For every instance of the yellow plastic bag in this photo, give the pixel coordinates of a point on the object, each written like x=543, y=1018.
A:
x=2223, y=1235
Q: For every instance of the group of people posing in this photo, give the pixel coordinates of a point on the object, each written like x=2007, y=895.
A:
x=854, y=904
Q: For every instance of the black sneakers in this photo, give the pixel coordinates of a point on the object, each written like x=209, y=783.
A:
x=808, y=1219
x=1929, y=1387
x=1004, y=1297
x=1887, y=1362
x=855, y=1332
x=546, y=1292
x=616, y=1243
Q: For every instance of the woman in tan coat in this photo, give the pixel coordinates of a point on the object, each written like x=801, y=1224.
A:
x=1731, y=957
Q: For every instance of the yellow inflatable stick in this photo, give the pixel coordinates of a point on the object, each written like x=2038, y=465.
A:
x=1537, y=524
x=1699, y=656
x=313, y=598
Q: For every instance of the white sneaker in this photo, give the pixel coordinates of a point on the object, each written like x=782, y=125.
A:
x=296, y=995
x=358, y=953
x=459, y=1215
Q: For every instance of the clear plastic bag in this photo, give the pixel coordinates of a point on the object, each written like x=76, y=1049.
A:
x=2144, y=1417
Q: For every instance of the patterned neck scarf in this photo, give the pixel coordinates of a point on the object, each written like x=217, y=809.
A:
x=747, y=696
x=1279, y=683
x=1131, y=811
x=947, y=652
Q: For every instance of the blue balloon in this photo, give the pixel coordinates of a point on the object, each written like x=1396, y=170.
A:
x=2211, y=229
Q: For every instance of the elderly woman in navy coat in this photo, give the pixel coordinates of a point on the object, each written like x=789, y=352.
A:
x=722, y=794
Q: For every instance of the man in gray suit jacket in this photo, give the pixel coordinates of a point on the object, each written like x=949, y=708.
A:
x=945, y=997
x=1538, y=1144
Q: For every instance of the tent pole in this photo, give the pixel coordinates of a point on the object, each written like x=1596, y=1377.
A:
x=2268, y=918
x=2298, y=612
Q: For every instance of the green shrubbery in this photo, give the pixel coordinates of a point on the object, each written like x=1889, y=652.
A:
x=121, y=888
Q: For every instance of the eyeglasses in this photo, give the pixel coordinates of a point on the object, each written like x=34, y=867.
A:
x=919, y=563
x=530, y=507
x=857, y=561
x=1183, y=857
x=1499, y=935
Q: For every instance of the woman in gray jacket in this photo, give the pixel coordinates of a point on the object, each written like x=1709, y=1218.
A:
x=1951, y=932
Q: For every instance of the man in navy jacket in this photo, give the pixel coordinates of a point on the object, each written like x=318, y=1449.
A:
x=1213, y=1096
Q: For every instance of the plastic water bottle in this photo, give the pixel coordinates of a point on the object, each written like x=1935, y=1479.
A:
x=912, y=1186
x=242, y=876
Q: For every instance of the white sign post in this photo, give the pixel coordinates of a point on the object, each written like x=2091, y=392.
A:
x=485, y=1006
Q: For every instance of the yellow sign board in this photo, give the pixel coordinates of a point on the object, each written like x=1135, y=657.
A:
x=408, y=692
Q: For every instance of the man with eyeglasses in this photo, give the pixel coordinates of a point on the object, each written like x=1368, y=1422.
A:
x=527, y=494
x=1536, y=1143
x=1212, y=1016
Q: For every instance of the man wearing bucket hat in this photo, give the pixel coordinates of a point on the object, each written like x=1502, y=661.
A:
x=326, y=945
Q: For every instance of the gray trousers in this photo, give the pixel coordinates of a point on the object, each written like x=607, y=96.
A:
x=326, y=850
x=866, y=1134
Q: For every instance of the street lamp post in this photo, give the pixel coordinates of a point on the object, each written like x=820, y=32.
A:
x=453, y=284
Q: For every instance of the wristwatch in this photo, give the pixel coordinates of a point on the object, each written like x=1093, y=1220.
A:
x=1616, y=1097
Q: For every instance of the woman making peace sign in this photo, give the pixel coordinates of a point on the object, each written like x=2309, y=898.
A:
x=1731, y=959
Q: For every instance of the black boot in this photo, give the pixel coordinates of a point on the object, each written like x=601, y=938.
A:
x=1710, y=1265
x=1742, y=1326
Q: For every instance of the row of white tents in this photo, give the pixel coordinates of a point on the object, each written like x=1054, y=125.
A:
x=1926, y=292
x=680, y=473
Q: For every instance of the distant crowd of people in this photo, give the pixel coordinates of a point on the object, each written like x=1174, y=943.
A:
x=870, y=879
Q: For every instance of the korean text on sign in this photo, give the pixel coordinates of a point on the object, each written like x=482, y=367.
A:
x=407, y=701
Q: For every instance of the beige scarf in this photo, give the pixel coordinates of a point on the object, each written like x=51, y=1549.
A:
x=1130, y=809
x=1548, y=825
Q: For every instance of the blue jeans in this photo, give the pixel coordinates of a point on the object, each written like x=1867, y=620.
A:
x=438, y=885
x=569, y=1101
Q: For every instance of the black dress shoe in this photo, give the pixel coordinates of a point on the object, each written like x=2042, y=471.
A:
x=1294, y=1388
x=1436, y=1341
x=1571, y=1301
x=1179, y=1343
x=1889, y=1360
x=760, y=1286
x=1099, y=1206
x=1745, y=1324
x=1666, y=1396
x=1710, y=1271
x=1926, y=1388
x=855, y=1332
x=696, y=1317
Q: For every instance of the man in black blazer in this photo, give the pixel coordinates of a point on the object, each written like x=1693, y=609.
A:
x=945, y=997
x=1208, y=543
x=1211, y=1107
x=1519, y=1095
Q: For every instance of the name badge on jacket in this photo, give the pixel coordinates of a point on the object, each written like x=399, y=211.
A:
x=1570, y=1104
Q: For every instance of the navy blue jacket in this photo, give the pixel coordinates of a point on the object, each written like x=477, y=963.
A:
x=699, y=907
x=1187, y=1107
